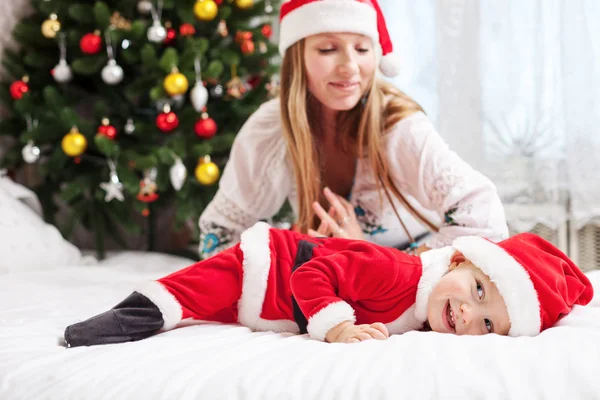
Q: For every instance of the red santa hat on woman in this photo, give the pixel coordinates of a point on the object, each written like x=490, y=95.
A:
x=302, y=18
x=538, y=282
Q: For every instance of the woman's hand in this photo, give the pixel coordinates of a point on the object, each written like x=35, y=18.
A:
x=340, y=221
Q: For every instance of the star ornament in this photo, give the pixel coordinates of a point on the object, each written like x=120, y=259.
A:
x=113, y=189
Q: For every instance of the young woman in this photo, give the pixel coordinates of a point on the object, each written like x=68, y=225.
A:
x=340, y=135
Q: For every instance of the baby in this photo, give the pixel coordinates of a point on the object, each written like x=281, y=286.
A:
x=340, y=290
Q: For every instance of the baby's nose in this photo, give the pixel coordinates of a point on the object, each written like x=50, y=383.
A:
x=466, y=313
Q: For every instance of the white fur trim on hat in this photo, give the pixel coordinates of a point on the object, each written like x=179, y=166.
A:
x=163, y=299
x=389, y=65
x=511, y=279
x=324, y=16
x=257, y=263
x=329, y=317
x=435, y=265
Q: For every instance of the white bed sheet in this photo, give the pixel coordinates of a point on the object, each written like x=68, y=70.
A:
x=212, y=361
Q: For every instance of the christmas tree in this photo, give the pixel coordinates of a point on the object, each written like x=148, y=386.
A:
x=115, y=101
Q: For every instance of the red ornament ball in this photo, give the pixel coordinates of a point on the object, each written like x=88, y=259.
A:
x=187, y=30
x=167, y=122
x=171, y=35
x=247, y=47
x=267, y=31
x=254, y=81
x=90, y=43
x=18, y=89
x=108, y=130
x=206, y=128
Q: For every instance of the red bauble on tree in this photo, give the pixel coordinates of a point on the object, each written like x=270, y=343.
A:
x=171, y=35
x=187, y=30
x=167, y=121
x=91, y=43
x=254, y=81
x=247, y=47
x=19, y=88
x=107, y=130
x=206, y=127
x=267, y=31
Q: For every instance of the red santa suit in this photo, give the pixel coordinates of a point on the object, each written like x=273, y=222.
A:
x=284, y=281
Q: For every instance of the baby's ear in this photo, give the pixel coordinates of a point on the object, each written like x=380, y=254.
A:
x=456, y=259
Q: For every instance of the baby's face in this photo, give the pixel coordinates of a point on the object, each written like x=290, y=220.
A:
x=466, y=302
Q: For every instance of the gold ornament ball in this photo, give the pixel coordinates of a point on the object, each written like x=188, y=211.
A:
x=207, y=173
x=244, y=4
x=50, y=28
x=74, y=143
x=206, y=10
x=176, y=83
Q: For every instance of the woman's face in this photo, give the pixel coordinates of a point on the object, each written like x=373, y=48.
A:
x=339, y=67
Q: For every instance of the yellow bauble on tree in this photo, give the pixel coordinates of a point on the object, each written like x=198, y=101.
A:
x=51, y=27
x=206, y=10
x=244, y=4
x=176, y=83
x=74, y=143
x=207, y=172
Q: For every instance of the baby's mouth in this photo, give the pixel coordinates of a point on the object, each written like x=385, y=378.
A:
x=450, y=316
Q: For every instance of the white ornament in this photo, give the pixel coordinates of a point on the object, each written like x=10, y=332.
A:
x=112, y=73
x=62, y=72
x=268, y=7
x=156, y=33
x=216, y=91
x=113, y=188
x=144, y=7
x=31, y=153
x=178, y=173
x=129, y=127
x=199, y=96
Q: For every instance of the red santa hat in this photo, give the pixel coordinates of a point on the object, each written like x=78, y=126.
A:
x=538, y=282
x=302, y=18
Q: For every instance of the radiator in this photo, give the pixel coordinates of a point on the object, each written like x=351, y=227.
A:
x=581, y=245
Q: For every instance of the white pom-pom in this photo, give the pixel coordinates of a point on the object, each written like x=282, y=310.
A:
x=389, y=65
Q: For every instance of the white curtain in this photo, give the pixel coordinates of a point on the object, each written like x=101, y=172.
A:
x=514, y=88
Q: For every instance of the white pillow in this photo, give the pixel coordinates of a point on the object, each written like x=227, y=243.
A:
x=26, y=240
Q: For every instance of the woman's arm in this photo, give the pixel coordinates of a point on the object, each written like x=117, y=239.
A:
x=254, y=185
x=425, y=168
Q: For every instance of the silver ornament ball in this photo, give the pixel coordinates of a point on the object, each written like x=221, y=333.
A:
x=161, y=103
x=30, y=153
x=156, y=33
x=216, y=91
x=112, y=73
x=144, y=7
x=129, y=127
x=62, y=72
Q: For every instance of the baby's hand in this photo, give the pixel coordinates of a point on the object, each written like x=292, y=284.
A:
x=347, y=332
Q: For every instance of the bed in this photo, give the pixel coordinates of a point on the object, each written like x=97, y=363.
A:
x=46, y=283
x=215, y=361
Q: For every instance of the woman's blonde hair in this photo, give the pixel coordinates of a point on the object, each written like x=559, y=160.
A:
x=362, y=130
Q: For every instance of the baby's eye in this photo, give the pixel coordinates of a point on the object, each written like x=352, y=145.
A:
x=488, y=325
x=325, y=51
x=480, y=291
x=362, y=50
